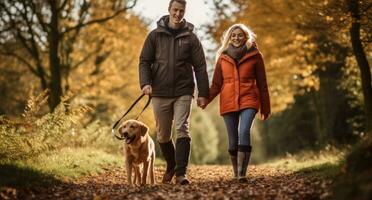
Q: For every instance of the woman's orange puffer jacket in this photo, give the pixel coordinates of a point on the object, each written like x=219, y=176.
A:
x=241, y=85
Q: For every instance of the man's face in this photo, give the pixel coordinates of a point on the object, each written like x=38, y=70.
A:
x=176, y=12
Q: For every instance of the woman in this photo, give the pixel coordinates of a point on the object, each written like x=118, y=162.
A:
x=239, y=77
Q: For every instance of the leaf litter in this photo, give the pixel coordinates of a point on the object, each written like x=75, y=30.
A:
x=208, y=182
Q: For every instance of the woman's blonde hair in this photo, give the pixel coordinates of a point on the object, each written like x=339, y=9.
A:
x=225, y=39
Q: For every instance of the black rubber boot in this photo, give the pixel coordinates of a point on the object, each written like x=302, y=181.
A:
x=182, y=159
x=244, y=154
x=168, y=152
x=234, y=162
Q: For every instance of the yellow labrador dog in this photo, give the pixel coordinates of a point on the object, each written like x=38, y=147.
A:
x=139, y=149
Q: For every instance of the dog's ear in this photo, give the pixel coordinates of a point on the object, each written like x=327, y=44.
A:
x=144, y=129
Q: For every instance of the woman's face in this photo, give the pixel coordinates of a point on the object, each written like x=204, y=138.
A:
x=237, y=37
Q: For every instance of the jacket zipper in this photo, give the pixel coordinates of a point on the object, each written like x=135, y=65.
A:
x=238, y=82
x=175, y=56
x=173, y=65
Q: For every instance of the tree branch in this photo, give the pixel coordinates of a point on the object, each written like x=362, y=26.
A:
x=84, y=59
x=20, y=58
x=95, y=21
x=98, y=62
x=5, y=30
x=67, y=10
x=219, y=8
x=71, y=40
x=31, y=31
x=29, y=44
x=17, y=31
x=39, y=16
x=64, y=3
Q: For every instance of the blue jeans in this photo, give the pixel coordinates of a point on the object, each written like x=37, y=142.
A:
x=238, y=126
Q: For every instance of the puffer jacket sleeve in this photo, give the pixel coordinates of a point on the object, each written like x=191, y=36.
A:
x=147, y=58
x=200, y=68
x=217, y=82
x=262, y=86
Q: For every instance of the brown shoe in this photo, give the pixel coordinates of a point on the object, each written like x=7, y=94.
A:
x=182, y=180
x=168, y=176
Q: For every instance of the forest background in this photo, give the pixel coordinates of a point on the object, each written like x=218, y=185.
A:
x=69, y=69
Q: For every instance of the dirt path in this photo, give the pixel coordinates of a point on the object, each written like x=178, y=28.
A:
x=208, y=182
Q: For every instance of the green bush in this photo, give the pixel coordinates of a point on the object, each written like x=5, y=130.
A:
x=204, y=138
x=31, y=135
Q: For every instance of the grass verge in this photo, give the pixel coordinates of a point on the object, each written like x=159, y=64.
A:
x=335, y=165
x=56, y=167
x=324, y=162
x=68, y=163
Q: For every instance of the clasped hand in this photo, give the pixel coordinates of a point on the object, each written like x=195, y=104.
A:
x=202, y=102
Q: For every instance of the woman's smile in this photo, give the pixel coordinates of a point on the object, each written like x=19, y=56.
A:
x=237, y=38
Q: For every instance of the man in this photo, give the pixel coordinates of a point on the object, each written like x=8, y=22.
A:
x=171, y=55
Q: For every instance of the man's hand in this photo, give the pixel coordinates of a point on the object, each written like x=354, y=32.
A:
x=147, y=90
x=202, y=102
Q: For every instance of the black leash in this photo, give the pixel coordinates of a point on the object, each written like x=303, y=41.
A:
x=130, y=108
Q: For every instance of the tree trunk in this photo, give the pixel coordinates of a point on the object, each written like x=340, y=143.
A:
x=55, y=92
x=365, y=71
x=41, y=75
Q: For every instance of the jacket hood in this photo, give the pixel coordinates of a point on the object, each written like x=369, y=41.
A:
x=162, y=24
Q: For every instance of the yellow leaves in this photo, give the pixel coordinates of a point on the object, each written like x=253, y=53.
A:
x=296, y=40
x=329, y=18
x=34, y=104
x=8, y=193
x=112, y=84
x=301, y=38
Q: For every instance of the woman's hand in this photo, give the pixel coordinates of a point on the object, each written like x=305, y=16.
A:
x=265, y=116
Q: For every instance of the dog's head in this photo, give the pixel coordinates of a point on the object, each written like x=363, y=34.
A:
x=132, y=131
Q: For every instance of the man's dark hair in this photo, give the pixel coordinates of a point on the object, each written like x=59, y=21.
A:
x=183, y=2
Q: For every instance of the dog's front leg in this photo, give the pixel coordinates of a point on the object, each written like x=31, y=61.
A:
x=128, y=167
x=145, y=171
x=152, y=176
x=137, y=175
